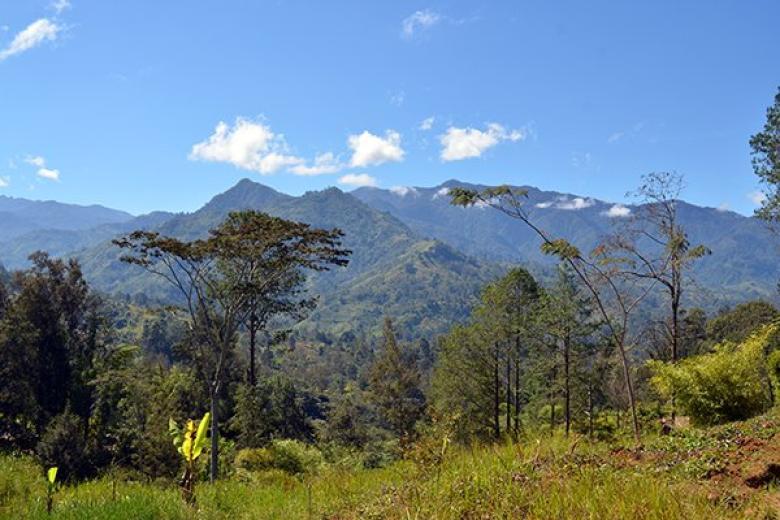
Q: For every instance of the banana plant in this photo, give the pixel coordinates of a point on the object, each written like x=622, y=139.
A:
x=190, y=441
x=51, y=487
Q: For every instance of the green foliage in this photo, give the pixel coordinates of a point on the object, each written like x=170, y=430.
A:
x=395, y=386
x=726, y=385
x=62, y=445
x=739, y=323
x=288, y=455
x=765, y=146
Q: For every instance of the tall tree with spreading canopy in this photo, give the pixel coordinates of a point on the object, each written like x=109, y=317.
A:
x=765, y=147
x=216, y=282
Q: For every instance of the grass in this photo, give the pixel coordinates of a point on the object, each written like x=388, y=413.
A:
x=691, y=474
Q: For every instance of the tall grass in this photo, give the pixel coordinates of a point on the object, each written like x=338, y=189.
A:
x=551, y=478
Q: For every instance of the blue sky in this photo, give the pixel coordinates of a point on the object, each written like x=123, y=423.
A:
x=160, y=105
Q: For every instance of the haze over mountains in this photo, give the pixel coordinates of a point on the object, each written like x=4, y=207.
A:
x=415, y=257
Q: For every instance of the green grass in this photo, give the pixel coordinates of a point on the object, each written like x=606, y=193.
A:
x=668, y=478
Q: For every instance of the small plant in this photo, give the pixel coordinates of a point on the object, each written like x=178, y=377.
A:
x=190, y=442
x=51, y=487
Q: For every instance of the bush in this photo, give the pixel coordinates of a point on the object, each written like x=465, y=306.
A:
x=63, y=445
x=728, y=384
x=290, y=456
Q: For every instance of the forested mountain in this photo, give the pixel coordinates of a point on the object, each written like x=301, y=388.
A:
x=742, y=264
x=20, y=216
x=414, y=255
x=426, y=284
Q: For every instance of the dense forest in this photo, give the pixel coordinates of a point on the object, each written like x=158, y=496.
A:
x=211, y=379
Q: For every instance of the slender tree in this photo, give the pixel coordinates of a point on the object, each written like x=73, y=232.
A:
x=654, y=246
x=394, y=383
x=614, y=301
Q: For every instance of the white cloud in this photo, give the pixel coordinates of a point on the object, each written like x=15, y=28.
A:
x=575, y=203
x=465, y=143
x=617, y=211
x=358, y=179
x=757, y=197
x=724, y=206
x=60, y=5
x=369, y=149
x=403, y=191
x=323, y=163
x=43, y=172
x=34, y=35
x=37, y=160
x=247, y=145
x=4, y=182
x=417, y=21
x=427, y=123
x=47, y=173
x=567, y=204
x=617, y=136
x=443, y=192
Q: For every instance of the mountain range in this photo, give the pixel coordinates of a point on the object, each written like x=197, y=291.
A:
x=415, y=257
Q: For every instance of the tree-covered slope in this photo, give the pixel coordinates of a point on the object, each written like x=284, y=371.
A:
x=20, y=216
x=743, y=264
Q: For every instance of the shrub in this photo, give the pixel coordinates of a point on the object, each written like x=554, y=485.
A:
x=290, y=456
x=63, y=445
x=729, y=384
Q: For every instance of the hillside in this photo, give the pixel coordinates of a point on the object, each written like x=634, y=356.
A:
x=742, y=265
x=20, y=216
x=392, y=270
x=724, y=472
x=415, y=256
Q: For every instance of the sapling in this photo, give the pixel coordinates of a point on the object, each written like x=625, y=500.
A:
x=51, y=487
x=190, y=442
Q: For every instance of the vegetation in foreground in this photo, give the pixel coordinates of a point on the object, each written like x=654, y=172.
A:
x=721, y=472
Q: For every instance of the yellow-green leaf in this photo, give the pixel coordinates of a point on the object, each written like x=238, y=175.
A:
x=52, y=475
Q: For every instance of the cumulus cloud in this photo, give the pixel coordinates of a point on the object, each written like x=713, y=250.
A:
x=358, y=180
x=442, y=192
x=4, y=182
x=60, y=5
x=36, y=161
x=575, y=203
x=617, y=136
x=427, y=123
x=32, y=36
x=757, y=197
x=403, y=191
x=370, y=150
x=617, y=211
x=465, y=143
x=566, y=203
x=418, y=21
x=49, y=173
x=247, y=145
x=43, y=171
x=323, y=163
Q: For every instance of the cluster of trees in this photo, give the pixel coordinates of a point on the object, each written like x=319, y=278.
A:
x=90, y=383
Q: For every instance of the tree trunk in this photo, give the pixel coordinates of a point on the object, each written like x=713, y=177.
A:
x=590, y=410
x=517, y=396
x=214, y=470
x=508, y=393
x=675, y=342
x=629, y=389
x=552, y=401
x=496, y=396
x=566, y=386
x=252, y=349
